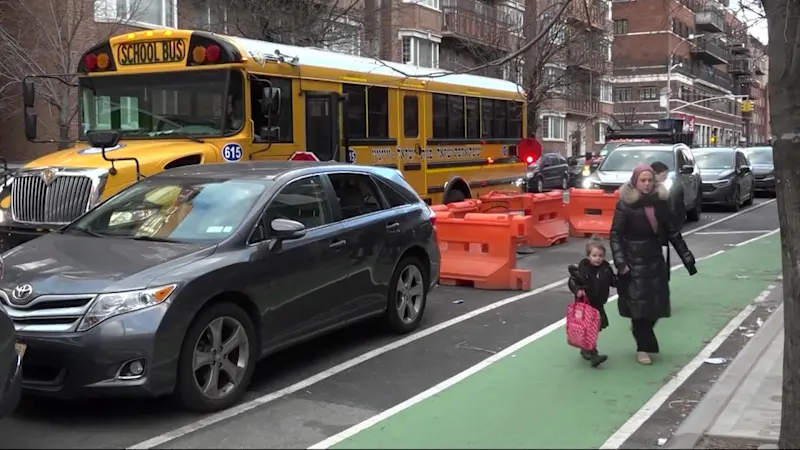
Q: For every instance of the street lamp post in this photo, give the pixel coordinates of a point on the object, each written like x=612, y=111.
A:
x=671, y=66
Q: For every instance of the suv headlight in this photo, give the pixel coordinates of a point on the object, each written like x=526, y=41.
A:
x=106, y=306
x=668, y=183
x=588, y=183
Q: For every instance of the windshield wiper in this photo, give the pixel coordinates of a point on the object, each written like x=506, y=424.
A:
x=152, y=239
x=186, y=136
x=87, y=231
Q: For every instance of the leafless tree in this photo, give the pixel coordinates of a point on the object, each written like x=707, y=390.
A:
x=48, y=38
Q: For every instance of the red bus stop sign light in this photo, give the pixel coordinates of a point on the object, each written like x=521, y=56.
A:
x=529, y=150
x=303, y=156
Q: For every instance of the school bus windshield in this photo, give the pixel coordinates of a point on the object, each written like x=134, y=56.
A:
x=162, y=105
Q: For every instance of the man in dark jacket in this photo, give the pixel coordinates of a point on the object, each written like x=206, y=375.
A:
x=641, y=220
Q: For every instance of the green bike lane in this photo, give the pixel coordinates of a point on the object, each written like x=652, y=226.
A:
x=544, y=395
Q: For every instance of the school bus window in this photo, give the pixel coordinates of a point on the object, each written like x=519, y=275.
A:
x=500, y=119
x=378, y=108
x=515, y=120
x=487, y=118
x=356, y=110
x=153, y=106
x=410, y=116
x=234, y=105
x=455, y=116
x=283, y=119
x=440, y=116
x=473, y=118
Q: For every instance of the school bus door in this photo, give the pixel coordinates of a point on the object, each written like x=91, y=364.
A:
x=413, y=135
x=323, y=136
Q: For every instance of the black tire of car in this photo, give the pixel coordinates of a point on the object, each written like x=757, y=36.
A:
x=538, y=185
x=736, y=205
x=393, y=320
x=186, y=390
x=693, y=215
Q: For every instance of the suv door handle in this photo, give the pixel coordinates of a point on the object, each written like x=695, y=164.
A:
x=393, y=227
x=337, y=243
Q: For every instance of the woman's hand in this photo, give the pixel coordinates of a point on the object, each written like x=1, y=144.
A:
x=624, y=269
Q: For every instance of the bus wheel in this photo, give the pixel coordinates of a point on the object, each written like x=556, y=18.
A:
x=454, y=196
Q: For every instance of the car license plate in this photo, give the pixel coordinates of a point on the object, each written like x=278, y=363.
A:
x=21, y=347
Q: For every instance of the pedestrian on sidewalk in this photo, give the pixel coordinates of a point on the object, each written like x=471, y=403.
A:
x=642, y=220
x=593, y=277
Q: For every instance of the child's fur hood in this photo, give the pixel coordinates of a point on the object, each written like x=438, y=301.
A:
x=630, y=195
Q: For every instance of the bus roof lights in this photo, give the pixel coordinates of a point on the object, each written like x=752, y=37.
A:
x=203, y=55
x=213, y=52
x=199, y=55
x=103, y=61
x=90, y=61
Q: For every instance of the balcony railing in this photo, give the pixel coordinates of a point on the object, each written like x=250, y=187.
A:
x=584, y=107
x=748, y=89
x=713, y=76
x=475, y=21
x=738, y=44
x=597, y=17
x=595, y=60
x=710, y=50
x=710, y=21
x=740, y=67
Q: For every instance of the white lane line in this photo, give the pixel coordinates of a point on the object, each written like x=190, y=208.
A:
x=718, y=233
x=643, y=415
x=303, y=384
x=374, y=420
x=776, y=230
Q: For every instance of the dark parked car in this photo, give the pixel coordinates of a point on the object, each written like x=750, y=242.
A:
x=551, y=171
x=577, y=164
x=183, y=281
x=683, y=180
x=727, y=178
x=763, y=167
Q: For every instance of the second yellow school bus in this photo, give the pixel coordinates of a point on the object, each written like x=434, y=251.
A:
x=181, y=97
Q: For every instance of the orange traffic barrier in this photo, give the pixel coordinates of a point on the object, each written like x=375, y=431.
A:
x=458, y=209
x=478, y=250
x=590, y=211
x=550, y=226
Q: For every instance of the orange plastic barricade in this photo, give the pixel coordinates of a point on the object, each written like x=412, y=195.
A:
x=550, y=226
x=458, y=209
x=508, y=202
x=590, y=211
x=479, y=250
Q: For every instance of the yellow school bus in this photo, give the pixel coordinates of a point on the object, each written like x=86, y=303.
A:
x=181, y=97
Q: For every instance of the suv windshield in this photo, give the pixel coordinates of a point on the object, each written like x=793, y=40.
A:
x=625, y=159
x=759, y=155
x=191, y=211
x=163, y=105
x=714, y=159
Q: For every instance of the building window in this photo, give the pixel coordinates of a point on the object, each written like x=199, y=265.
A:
x=367, y=111
x=622, y=94
x=514, y=18
x=603, y=92
x=344, y=36
x=554, y=79
x=600, y=132
x=160, y=13
x=420, y=52
x=621, y=26
x=512, y=71
x=429, y=3
x=553, y=128
x=648, y=93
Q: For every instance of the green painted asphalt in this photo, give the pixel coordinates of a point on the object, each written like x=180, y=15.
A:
x=546, y=396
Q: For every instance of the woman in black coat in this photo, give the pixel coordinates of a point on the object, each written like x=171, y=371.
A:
x=642, y=220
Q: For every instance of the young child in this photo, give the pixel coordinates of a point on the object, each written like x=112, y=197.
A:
x=594, y=276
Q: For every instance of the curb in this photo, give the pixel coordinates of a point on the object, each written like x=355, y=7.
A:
x=694, y=427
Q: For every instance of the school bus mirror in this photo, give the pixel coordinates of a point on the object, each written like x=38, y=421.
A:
x=30, y=125
x=269, y=133
x=270, y=101
x=28, y=92
x=103, y=139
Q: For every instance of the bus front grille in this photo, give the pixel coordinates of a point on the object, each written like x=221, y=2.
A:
x=63, y=199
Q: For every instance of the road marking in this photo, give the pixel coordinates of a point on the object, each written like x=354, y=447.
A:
x=643, y=415
x=714, y=233
x=374, y=420
x=303, y=384
x=776, y=230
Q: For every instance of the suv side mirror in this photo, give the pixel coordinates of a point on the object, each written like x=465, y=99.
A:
x=687, y=169
x=744, y=169
x=285, y=229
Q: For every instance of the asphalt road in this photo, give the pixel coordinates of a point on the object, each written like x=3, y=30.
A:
x=355, y=373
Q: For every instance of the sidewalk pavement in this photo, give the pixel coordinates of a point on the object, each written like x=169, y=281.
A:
x=745, y=402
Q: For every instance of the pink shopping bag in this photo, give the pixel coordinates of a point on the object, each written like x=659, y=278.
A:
x=583, y=323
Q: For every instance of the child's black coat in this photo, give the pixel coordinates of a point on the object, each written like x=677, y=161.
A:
x=596, y=282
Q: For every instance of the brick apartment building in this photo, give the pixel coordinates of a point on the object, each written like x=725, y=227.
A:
x=704, y=52
x=449, y=34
